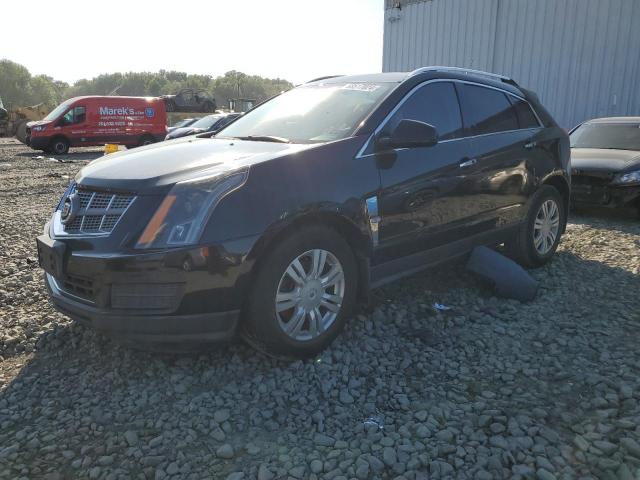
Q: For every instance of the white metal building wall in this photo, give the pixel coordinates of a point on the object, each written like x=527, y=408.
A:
x=582, y=57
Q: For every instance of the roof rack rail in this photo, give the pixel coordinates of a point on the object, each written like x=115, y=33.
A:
x=323, y=78
x=465, y=71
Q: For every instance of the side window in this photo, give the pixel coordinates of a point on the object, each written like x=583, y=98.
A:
x=67, y=119
x=79, y=114
x=526, y=117
x=75, y=115
x=435, y=104
x=485, y=110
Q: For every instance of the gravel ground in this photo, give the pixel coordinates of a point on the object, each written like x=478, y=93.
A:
x=490, y=389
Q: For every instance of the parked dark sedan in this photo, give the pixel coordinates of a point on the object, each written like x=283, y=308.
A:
x=182, y=123
x=210, y=123
x=278, y=225
x=605, y=162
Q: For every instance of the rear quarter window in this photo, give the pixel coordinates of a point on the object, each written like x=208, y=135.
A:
x=526, y=117
x=485, y=110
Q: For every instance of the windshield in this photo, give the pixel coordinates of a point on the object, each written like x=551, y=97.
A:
x=184, y=123
x=617, y=136
x=206, y=122
x=311, y=113
x=56, y=112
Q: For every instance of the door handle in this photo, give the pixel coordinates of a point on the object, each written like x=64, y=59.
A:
x=469, y=163
x=530, y=145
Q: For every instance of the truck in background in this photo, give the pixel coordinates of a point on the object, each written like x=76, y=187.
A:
x=96, y=120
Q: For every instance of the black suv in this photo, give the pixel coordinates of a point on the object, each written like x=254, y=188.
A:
x=279, y=224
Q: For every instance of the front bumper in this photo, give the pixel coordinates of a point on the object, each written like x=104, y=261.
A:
x=594, y=191
x=188, y=295
x=38, y=143
x=196, y=328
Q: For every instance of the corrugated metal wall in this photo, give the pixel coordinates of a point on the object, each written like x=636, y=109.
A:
x=582, y=57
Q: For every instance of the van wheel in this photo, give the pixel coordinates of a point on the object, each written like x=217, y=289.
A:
x=538, y=237
x=146, y=140
x=59, y=146
x=303, y=293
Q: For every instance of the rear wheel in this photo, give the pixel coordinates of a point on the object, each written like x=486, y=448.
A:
x=59, y=146
x=538, y=237
x=207, y=106
x=146, y=140
x=303, y=292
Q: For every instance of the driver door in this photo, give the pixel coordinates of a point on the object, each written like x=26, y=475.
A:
x=423, y=200
x=75, y=125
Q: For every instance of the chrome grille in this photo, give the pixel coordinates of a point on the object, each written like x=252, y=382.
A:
x=99, y=212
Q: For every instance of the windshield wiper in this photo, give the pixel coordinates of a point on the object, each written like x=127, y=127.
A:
x=264, y=138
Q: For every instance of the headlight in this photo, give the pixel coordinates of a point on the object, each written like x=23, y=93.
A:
x=183, y=214
x=39, y=128
x=631, y=177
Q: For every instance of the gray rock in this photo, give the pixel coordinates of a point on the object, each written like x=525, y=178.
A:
x=445, y=435
x=543, y=474
x=172, y=468
x=221, y=416
x=605, y=447
x=316, y=466
x=265, y=474
x=362, y=472
x=389, y=456
x=631, y=446
x=225, y=451
x=324, y=440
x=131, y=437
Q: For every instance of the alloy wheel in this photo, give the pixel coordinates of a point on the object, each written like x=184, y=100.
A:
x=546, y=226
x=310, y=295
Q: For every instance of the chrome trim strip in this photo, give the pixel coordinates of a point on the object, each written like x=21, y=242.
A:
x=53, y=283
x=384, y=121
x=371, y=205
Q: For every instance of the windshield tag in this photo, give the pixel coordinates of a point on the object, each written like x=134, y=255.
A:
x=363, y=87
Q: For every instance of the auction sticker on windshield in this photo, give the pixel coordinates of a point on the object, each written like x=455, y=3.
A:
x=364, y=87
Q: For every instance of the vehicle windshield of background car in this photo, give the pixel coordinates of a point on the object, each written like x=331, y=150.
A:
x=184, y=123
x=616, y=136
x=55, y=113
x=311, y=113
x=206, y=122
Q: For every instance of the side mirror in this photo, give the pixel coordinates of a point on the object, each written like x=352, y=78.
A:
x=409, y=134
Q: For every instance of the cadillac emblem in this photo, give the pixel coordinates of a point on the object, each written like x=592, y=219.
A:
x=70, y=208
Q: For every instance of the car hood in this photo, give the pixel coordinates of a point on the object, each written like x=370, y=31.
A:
x=156, y=167
x=604, y=160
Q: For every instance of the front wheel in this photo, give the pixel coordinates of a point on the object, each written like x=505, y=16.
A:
x=538, y=237
x=302, y=294
x=59, y=146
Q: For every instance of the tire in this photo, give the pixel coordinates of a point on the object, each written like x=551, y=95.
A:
x=146, y=140
x=207, y=106
x=263, y=324
x=59, y=146
x=522, y=247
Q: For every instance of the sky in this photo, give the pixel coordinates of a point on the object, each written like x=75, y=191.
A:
x=292, y=39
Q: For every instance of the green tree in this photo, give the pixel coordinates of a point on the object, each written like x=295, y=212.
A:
x=18, y=87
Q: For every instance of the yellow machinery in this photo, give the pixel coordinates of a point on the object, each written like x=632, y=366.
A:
x=14, y=122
